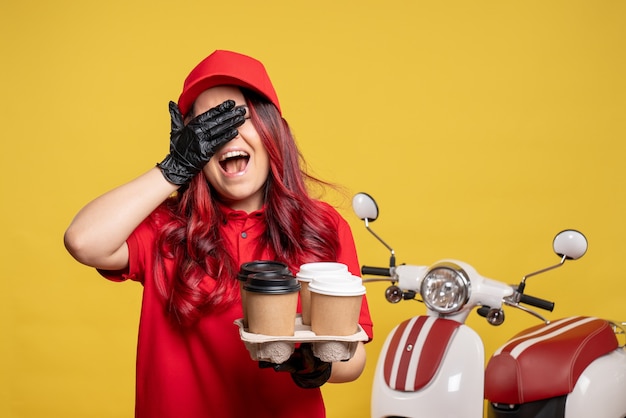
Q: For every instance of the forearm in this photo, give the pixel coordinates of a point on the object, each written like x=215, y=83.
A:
x=347, y=371
x=97, y=235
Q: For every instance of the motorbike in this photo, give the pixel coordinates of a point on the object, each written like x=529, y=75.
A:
x=433, y=365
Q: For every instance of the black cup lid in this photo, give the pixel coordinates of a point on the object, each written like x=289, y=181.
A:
x=261, y=266
x=272, y=282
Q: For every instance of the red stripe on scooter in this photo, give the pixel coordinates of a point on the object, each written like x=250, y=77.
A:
x=413, y=357
x=434, y=350
x=410, y=350
x=392, y=350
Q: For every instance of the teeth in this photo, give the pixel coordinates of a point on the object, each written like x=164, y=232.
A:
x=233, y=154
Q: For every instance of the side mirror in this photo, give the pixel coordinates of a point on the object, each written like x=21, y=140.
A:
x=570, y=244
x=365, y=207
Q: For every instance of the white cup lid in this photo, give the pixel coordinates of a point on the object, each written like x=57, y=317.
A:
x=310, y=271
x=338, y=285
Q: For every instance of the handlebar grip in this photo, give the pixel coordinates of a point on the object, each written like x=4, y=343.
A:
x=537, y=302
x=376, y=271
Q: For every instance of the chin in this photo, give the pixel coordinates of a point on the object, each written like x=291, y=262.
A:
x=245, y=201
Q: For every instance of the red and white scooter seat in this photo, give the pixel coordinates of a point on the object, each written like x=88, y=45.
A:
x=545, y=361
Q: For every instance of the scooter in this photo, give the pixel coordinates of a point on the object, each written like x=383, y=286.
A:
x=433, y=365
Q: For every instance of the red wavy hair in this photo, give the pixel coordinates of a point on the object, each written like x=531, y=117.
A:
x=296, y=230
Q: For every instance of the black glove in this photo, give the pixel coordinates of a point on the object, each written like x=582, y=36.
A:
x=307, y=371
x=192, y=146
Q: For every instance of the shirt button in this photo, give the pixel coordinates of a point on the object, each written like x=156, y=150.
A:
x=244, y=235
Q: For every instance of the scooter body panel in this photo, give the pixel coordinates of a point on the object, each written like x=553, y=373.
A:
x=601, y=389
x=456, y=389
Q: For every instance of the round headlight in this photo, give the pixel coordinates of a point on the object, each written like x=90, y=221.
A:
x=445, y=288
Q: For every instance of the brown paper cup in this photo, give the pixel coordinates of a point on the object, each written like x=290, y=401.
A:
x=305, y=303
x=271, y=314
x=246, y=270
x=244, y=305
x=311, y=271
x=335, y=315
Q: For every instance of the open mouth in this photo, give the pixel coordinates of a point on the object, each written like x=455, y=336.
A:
x=234, y=161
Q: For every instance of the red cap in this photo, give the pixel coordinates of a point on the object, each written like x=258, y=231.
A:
x=226, y=68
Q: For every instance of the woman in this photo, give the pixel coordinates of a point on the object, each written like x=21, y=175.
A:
x=230, y=191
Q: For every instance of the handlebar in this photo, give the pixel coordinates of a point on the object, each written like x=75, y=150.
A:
x=537, y=302
x=524, y=298
x=376, y=271
x=485, y=311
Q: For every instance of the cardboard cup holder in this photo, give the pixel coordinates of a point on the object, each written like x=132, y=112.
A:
x=278, y=349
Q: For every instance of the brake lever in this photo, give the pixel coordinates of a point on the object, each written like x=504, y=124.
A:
x=510, y=301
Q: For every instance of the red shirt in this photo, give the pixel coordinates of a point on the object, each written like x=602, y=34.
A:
x=206, y=371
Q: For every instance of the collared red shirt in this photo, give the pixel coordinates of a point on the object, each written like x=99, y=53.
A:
x=205, y=370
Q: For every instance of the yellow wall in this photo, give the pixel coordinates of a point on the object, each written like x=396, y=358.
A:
x=482, y=127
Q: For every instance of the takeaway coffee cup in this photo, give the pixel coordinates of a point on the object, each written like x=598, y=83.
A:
x=307, y=273
x=248, y=269
x=336, y=304
x=271, y=301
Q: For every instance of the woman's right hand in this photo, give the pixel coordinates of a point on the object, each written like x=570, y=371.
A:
x=192, y=145
x=97, y=235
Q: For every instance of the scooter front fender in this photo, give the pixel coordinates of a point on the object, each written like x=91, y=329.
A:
x=456, y=387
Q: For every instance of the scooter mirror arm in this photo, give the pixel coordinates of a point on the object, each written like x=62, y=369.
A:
x=522, y=284
x=392, y=259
